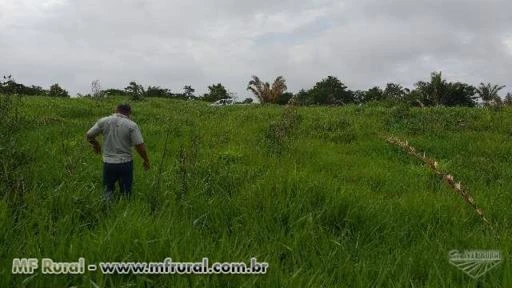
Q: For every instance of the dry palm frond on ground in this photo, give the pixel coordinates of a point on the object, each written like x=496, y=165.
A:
x=447, y=178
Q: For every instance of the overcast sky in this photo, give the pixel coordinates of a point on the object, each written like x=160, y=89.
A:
x=176, y=43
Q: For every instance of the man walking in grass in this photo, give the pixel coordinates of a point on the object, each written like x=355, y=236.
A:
x=119, y=135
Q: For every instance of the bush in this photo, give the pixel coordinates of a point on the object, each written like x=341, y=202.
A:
x=57, y=91
x=279, y=131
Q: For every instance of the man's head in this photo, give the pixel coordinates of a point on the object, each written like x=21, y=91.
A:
x=124, y=109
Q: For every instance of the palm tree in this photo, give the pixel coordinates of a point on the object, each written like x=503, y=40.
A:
x=434, y=90
x=259, y=89
x=264, y=91
x=489, y=92
x=438, y=87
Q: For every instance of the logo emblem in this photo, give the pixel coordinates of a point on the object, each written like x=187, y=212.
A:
x=475, y=263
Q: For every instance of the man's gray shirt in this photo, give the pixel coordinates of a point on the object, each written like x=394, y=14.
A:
x=119, y=135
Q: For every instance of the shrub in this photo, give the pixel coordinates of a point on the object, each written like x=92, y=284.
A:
x=279, y=131
x=57, y=91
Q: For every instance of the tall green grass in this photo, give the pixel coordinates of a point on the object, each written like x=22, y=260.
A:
x=316, y=192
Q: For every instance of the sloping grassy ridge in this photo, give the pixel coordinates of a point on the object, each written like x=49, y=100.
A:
x=316, y=192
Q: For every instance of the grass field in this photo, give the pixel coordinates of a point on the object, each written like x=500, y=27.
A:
x=317, y=193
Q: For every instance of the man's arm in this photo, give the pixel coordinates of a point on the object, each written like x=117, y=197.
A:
x=91, y=137
x=141, y=149
x=138, y=142
x=94, y=143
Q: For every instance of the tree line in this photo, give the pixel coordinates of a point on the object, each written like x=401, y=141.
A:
x=8, y=86
x=138, y=92
x=329, y=91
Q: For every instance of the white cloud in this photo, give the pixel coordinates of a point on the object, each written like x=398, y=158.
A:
x=508, y=44
x=173, y=43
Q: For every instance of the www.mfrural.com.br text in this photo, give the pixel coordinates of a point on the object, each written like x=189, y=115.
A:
x=167, y=266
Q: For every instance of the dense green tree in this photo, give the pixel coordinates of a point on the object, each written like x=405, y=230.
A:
x=330, y=91
x=9, y=86
x=188, y=92
x=216, y=92
x=373, y=94
x=359, y=96
x=440, y=92
x=303, y=98
x=415, y=98
x=157, y=92
x=34, y=91
x=459, y=94
x=57, y=91
x=284, y=98
x=395, y=92
x=135, y=90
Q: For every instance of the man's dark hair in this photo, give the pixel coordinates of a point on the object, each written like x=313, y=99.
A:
x=124, y=108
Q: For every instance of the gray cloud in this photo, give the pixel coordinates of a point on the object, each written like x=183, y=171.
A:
x=173, y=43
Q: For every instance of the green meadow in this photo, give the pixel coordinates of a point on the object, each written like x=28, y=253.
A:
x=314, y=191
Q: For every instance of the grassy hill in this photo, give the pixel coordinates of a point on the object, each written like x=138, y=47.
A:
x=315, y=192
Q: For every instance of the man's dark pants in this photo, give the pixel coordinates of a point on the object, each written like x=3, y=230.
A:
x=122, y=173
